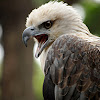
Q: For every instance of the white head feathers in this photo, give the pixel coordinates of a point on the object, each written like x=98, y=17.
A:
x=52, y=11
x=66, y=17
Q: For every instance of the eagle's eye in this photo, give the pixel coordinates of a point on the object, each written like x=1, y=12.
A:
x=48, y=24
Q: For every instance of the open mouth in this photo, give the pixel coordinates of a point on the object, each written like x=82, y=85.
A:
x=42, y=43
x=41, y=38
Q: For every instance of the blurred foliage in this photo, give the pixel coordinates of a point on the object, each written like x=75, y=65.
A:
x=38, y=3
x=38, y=78
x=92, y=19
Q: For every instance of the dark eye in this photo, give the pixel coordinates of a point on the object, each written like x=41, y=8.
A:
x=48, y=24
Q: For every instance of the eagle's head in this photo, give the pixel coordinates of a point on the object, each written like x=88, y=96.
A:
x=50, y=21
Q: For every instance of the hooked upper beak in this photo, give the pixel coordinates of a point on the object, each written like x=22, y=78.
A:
x=27, y=34
x=43, y=39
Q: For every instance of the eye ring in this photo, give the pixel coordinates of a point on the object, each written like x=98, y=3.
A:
x=48, y=24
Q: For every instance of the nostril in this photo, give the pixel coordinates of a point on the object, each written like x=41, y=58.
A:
x=32, y=29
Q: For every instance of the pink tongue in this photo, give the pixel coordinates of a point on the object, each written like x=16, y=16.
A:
x=40, y=44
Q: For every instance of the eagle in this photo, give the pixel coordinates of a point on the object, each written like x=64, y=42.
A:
x=69, y=53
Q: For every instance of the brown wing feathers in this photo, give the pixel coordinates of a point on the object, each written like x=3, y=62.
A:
x=71, y=66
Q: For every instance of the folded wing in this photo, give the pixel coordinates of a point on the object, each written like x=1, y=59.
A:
x=73, y=68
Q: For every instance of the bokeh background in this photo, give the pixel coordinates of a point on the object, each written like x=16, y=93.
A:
x=21, y=77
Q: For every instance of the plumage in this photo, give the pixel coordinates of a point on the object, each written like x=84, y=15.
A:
x=79, y=70
x=70, y=54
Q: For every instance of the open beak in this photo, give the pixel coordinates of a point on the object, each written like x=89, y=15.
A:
x=42, y=38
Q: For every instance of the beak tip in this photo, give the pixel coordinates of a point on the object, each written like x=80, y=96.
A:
x=25, y=39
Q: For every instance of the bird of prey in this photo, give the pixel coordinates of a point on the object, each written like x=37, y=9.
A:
x=69, y=53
